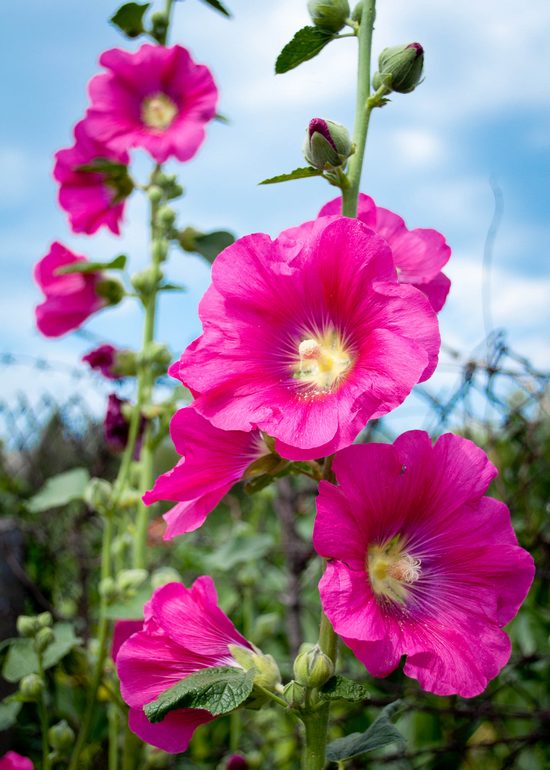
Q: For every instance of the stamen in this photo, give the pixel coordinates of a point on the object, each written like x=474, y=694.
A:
x=158, y=111
x=323, y=360
x=392, y=570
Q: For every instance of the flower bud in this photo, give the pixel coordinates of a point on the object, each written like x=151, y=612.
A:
x=155, y=193
x=125, y=363
x=267, y=671
x=236, y=762
x=27, y=625
x=146, y=280
x=61, y=737
x=159, y=20
x=166, y=216
x=45, y=619
x=357, y=13
x=294, y=694
x=111, y=290
x=108, y=589
x=312, y=668
x=43, y=639
x=97, y=495
x=329, y=14
x=160, y=249
x=400, y=68
x=129, y=580
x=327, y=144
x=31, y=687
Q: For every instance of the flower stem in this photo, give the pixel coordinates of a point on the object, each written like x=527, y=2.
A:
x=363, y=110
x=43, y=717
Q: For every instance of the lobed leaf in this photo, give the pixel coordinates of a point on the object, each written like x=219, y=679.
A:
x=379, y=734
x=340, y=688
x=306, y=43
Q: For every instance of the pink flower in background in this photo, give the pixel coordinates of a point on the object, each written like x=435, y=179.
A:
x=116, y=426
x=14, y=761
x=307, y=337
x=70, y=298
x=184, y=631
x=156, y=98
x=420, y=562
x=419, y=254
x=103, y=359
x=91, y=198
x=213, y=460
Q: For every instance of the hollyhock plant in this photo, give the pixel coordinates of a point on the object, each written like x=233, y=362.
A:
x=103, y=359
x=317, y=340
x=184, y=631
x=70, y=297
x=14, y=761
x=92, y=198
x=157, y=98
x=419, y=254
x=213, y=460
x=421, y=563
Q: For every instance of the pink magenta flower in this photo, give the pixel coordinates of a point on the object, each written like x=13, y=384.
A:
x=14, y=761
x=90, y=198
x=103, y=359
x=156, y=98
x=70, y=298
x=419, y=254
x=420, y=562
x=184, y=631
x=213, y=460
x=307, y=337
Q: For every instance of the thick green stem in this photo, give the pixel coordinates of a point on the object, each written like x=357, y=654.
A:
x=350, y=194
x=316, y=726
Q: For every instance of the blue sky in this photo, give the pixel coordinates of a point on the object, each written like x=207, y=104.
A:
x=483, y=111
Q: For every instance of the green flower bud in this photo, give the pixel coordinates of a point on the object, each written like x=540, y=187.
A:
x=329, y=14
x=27, y=625
x=111, y=290
x=312, y=668
x=61, y=737
x=31, y=687
x=97, y=495
x=146, y=280
x=108, y=589
x=45, y=619
x=160, y=249
x=125, y=363
x=43, y=639
x=129, y=580
x=357, y=13
x=155, y=193
x=164, y=575
x=327, y=144
x=166, y=216
x=159, y=19
x=400, y=68
x=267, y=671
x=294, y=694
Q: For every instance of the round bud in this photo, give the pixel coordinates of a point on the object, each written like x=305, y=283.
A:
x=236, y=762
x=160, y=249
x=31, y=687
x=111, y=290
x=155, y=193
x=159, y=19
x=43, y=639
x=327, y=144
x=97, y=495
x=45, y=620
x=329, y=14
x=400, y=68
x=27, y=625
x=146, y=280
x=294, y=694
x=61, y=737
x=129, y=580
x=108, y=589
x=312, y=668
x=166, y=216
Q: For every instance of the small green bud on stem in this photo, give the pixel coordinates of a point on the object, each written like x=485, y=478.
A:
x=327, y=144
x=43, y=639
x=31, y=687
x=400, y=68
x=61, y=737
x=312, y=668
x=329, y=14
x=27, y=625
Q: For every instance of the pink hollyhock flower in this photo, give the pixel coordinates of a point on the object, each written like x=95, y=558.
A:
x=420, y=562
x=317, y=340
x=70, y=298
x=419, y=254
x=91, y=198
x=184, y=631
x=116, y=426
x=14, y=761
x=213, y=460
x=156, y=98
x=102, y=358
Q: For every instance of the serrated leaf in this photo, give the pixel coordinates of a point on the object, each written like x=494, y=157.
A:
x=60, y=490
x=340, y=688
x=218, y=7
x=306, y=43
x=22, y=659
x=298, y=173
x=118, y=263
x=380, y=733
x=219, y=690
x=9, y=710
x=129, y=18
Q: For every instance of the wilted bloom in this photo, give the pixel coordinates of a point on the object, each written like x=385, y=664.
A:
x=156, y=98
x=70, y=297
x=92, y=198
x=327, y=144
x=420, y=562
x=317, y=340
x=184, y=631
x=418, y=254
x=103, y=359
x=116, y=425
x=213, y=460
x=14, y=761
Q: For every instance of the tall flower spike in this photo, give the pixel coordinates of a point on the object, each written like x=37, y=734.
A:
x=420, y=562
x=317, y=340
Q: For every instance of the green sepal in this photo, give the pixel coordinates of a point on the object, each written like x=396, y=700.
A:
x=118, y=263
x=298, y=173
x=379, y=734
x=129, y=19
x=340, y=688
x=306, y=43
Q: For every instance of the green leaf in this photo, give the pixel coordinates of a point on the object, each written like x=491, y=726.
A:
x=130, y=608
x=9, y=710
x=129, y=18
x=60, y=490
x=306, y=43
x=243, y=547
x=22, y=659
x=380, y=733
x=208, y=245
x=219, y=690
x=298, y=173
x=172, y=287
x=340, y=688
x=103, y=166
x=118, y=263
x=218, y=7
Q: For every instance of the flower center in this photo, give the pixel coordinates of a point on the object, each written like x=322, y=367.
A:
x=158, y=111
x=323, y=360
x=392, y=570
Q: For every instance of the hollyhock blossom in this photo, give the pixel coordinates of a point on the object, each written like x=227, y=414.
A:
x=184, y=631
x=14, y=761
x=70, y=297
x=116, y=426
x=91, y=198
x=307, y=337
x=157, y=98
x=419, y=254
x=213, y=460
x=420, y=562
x=103, y=359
